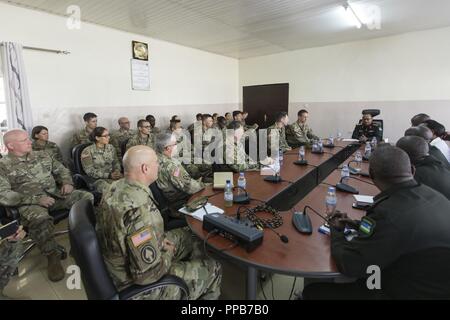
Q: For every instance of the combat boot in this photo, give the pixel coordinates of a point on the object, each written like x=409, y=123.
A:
x=55, y=270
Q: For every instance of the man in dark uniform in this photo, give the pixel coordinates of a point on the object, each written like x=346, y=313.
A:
x=367, y=130
x=404, y=234
x=429, y=170
x=425, y=133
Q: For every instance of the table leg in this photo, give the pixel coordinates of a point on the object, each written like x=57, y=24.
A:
x=252, y=281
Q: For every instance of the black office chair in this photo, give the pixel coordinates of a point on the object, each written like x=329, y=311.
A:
x=80, y=179
x=9, y=214
x=123, y=147
x=162, y=204
x=94, y=274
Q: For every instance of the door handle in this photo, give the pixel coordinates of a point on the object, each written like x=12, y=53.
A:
x=265, y=117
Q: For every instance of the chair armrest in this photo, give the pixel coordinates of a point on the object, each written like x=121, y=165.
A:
x=10, y=213
x=82, y=181
x=167, y=280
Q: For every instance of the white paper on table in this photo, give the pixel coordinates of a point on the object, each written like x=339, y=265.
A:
x=350, y=140
x=363, y=199
x=202, y=211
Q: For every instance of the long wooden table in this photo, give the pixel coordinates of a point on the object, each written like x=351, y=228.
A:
x=304, y=256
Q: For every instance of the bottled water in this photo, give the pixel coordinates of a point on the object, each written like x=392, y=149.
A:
x=331, y=201
x=315, y=146
x=242, y=184
x=301, y=153
x=320, y=146
x=331, y=140
x=228, y=195
x=367, y=150
x=358, y=160
x=345, y=173
x=280, y=156
x=374, y=143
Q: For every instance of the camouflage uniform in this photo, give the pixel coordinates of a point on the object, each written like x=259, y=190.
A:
x=24, y=180
x=10, y=252
x=131, y=232
x=175, y=183
x=136, y=140
x=51, y=148
x=281, y=133
x=155, y=130
x=241, y=161
x=299, y=134
x=249, y=127
x=118, y=137
x=80, y=137
x=99, y=163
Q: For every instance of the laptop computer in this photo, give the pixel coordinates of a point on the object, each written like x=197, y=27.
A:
x=220, y=179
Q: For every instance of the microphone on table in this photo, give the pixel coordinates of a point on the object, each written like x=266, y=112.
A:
x=302, y=222
x=276, y=178
x=301, y=161
x=242, y=198
x=357, y=171
x=341, y=186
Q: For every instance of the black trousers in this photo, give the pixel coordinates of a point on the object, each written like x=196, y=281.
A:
x=342, y=291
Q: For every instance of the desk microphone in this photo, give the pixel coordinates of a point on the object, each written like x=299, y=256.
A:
x=301, y=162
x=276, y=178
x=242, y=198
x=347, y=188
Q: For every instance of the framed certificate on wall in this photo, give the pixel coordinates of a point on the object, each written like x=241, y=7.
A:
x=140, y=75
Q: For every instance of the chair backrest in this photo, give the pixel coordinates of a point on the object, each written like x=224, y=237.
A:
x=123, y=147
x=162, y=203
x=76, y=157
x=86, y=251
x=372, y=112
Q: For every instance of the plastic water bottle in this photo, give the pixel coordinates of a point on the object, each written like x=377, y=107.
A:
x=367, y=150
x=242, y=184
x=331, y=140
x=228, y=196
x=374, y=143
x=330, y=201
x=314, y=146
x=358, y=160
x=320, y=146
x=345, y=173
x=301, y=153
x=280, y=156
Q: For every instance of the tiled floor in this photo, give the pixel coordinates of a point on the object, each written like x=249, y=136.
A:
x=32, y=282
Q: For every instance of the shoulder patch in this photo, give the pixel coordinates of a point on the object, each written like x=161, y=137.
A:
x=176, y=172
x=148, y=254
x=367, y=226
x=141, y=237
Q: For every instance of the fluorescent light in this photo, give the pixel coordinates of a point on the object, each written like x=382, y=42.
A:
x=352, y=16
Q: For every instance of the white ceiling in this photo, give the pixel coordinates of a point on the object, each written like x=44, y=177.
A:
x=249, y=28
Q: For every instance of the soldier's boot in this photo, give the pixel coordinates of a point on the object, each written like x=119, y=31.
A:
x=55, y=270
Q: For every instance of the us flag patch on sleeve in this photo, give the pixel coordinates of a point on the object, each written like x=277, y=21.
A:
x=141, y=237
x=176, y=173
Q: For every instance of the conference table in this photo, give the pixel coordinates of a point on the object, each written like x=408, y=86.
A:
x=305, y=256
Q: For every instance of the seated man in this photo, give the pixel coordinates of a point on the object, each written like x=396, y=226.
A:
x=119, y=136
x=404, y=234
x=245, y=125
x=299, y=133
x=198, y=122
x=438, y=131
x=82, y=136
x=173, y=180
x=143, y=137
x=228, y=117
x=235, y=158
x=429, y=170
x=11, y=250
x=135, y=247
x=425, y=133
x=367, y=130
x=154, y=130
x=36, y=183
x=277, y=131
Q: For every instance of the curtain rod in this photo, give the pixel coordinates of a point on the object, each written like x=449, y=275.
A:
x=44, y=50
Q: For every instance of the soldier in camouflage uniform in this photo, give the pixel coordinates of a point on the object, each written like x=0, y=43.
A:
x=173, y=180
x=247, y=126
x=11, y=250
x=299, y=133
x=240, y=161
x=82, y=136
x=278, y=131
x=36, y=183
x=143, y=137
x=154, y=130
x=39, y=135
x=121, y=135
x=100, y=161
x=135, y=247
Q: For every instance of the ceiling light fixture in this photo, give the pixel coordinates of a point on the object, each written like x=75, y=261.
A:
x=352, y=16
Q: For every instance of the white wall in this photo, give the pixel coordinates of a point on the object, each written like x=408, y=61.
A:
x=402, y=75
x=96, y=76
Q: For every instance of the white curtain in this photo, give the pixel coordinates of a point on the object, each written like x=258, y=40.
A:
x=16, y=87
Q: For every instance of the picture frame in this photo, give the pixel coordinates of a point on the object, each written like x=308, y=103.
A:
x=140, y=50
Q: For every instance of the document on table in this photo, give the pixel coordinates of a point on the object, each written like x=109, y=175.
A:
x=207, y=209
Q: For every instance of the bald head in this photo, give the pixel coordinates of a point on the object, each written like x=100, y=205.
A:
x=389, y=166
x=416, y=147
x=17, y=142
x=141, y=163
x=124, y=123
x=420, y=131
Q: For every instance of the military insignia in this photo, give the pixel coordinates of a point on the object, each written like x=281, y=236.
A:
x=367, y=226
x=148, y=254
x=85, y=155
x=141, y=237
x=176, y=173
